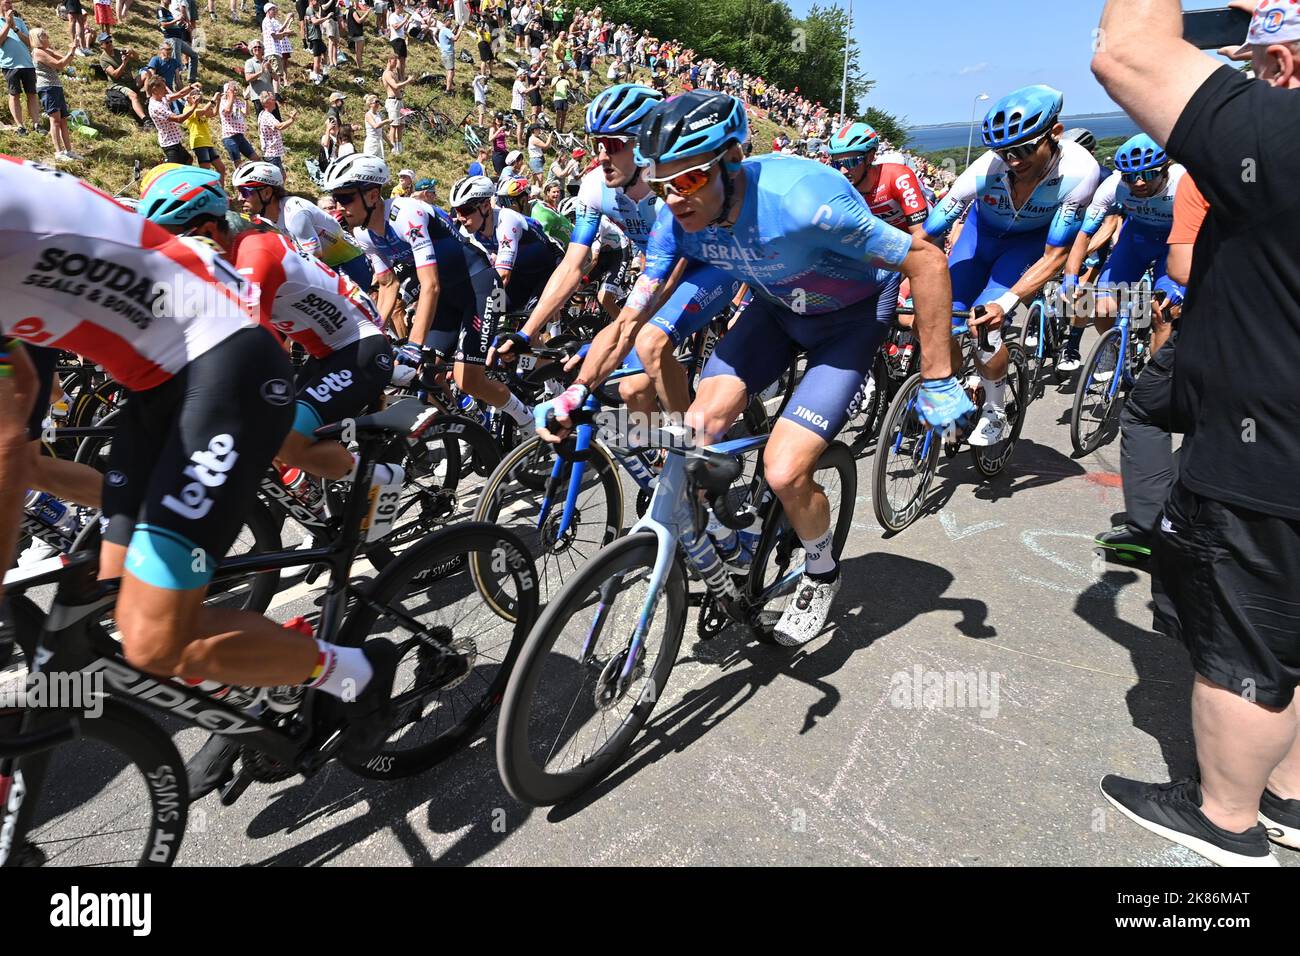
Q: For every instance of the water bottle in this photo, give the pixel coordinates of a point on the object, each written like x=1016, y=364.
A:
x=470, y=409
x=52, y=513
x=303, y=488
x=905, y=360
x=731, y=548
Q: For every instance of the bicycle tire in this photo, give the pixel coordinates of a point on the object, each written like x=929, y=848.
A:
x=780, y=539
x=146, y=747
x=439, y=550
x=1036, y=355
x=524, y=777
x=495, y=490
x=986, y=463
x=1085, y=443
x=903, y=418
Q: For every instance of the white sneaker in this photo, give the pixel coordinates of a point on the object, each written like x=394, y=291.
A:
x=73, y=157
x=62, y=157
x=1070, y=360
x=805, y=616
x=1031, y=340
x=991, y=428
x=36, y=552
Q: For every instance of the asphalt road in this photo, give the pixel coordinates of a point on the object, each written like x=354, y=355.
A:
x=834, y=753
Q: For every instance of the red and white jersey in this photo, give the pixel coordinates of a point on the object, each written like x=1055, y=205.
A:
x=301, y=297
x=898, y=198
x=79, y=272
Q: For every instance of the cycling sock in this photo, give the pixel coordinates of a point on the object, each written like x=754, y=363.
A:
x=818, y=558
x=994, y=392
x=516, y=409
x=1074, y=338
x=829, y=577
x=342, y=672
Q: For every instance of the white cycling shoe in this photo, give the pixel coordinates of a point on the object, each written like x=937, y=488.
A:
x=1069, y=361
x=805, y=616
x=36, y=552
x=990, y=429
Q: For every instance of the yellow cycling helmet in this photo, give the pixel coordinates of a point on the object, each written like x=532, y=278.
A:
x=147, y=179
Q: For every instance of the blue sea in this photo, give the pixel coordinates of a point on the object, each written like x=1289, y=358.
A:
x=925, y=139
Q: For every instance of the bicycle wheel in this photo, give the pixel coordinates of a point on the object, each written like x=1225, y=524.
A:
x=454, y=586
x=1097, y=402
x=906, y=457
x=563, y=725
x=115, y=795
x=510, y=500
x=1036, y=354
x=429, y=500
x=991, y=461
x=778, y=560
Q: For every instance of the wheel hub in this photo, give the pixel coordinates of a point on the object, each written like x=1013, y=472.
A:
x=552, y=539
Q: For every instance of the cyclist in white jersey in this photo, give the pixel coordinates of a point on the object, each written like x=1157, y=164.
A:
x=210, y=402
x=311, y=229
x=1142, y=189
x=1029, y=194
x=459, y=292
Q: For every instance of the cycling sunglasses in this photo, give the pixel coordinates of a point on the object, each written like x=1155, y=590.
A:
x=342, y=198
x=247, y=191
x=686, y=183
x=848, y=165
x=1146, y=176
x=1021, y=152
x=613, y=145
x=469, y=207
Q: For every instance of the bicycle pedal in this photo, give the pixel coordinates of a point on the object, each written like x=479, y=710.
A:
x=314, y=572
x=234, y=788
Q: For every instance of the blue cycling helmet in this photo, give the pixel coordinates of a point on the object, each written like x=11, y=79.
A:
x=619, y=110
x=181, y=195
x=854, y=138
x=698, y=123
x=1021, y=116
x=1139, y=154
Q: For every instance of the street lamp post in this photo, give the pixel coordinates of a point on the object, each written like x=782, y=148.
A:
x=970, y=137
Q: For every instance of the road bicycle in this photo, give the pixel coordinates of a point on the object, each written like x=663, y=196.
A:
x=599, y=658
x=907, y=454
x=110, y=788
x=1113, y=364
x=1042, y=338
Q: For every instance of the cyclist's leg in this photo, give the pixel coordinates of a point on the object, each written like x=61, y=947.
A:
x=477, y=330
x=701, y=295
x=341, y=385
x=1133, y=255
x=63, y=479
x=211, y=433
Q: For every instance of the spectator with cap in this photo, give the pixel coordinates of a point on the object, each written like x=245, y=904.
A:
x=405, y=183
x=234, y=124
x=426, y=190
x=275, y=38
x=116, y=65
x=537, y=147
x=19, y=68
x=446, y=38
x=259, y=74
x=271, y=130
x=335, y=109
x=1227, y=553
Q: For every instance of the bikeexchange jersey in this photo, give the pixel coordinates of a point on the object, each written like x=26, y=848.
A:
x=898, y=198
x=316, y=232
x=302, y=298
x=1154, y=215
x=598, y=202
x=415, y=235
x=1057, y=204
x=803, y=239
x=80, y=273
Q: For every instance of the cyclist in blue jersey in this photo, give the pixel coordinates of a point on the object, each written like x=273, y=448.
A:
x=459, y=294
x=1142, y=188
x=800, y=236
x=616, y=192
x=523, y=255
x=1030, y=192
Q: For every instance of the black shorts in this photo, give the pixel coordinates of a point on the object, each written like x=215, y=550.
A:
x=1224, y=583
x=45, y=361
x=399, y=47
x=21, y=79
x=75, y=8
x=177, y=154
x=301, y=7
x=356, y=31
x=343, y=384
x=485, y=52
x=613, y=269
x=535, y=98
x=317, y=47
x=466, y=318
x=188, y=455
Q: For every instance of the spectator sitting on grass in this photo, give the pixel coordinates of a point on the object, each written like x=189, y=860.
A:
x=116, y=65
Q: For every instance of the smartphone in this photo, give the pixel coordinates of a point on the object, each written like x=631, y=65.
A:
x=1211, y=29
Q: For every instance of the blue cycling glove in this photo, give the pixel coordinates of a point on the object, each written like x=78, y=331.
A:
x=1069, y=284
x=409, y=354
x=943, y=402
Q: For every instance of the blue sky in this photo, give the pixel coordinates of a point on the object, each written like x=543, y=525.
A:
x=930, y=60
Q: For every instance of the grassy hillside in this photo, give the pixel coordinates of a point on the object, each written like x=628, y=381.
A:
x=110, y=156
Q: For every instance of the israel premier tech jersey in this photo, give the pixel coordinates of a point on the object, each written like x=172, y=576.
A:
x=803, y=239
x=1154, y=215
x=597, y=202
x=1056, y=205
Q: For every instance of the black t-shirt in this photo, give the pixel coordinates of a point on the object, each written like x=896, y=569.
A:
x=1237, y=375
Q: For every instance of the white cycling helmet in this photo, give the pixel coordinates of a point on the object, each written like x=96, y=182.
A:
x=258, y=174
x=569, y=207
x=470, y=189
x=355, y=169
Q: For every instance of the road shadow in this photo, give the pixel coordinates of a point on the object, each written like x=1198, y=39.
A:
x=1032, y=465
x=1160, y=702
x=747, y=667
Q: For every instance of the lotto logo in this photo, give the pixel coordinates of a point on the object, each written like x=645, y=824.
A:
x=207, y=469
x=330, y=384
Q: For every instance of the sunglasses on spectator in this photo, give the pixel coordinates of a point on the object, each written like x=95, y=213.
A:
x=1021, y=152
x=1146, y=176
x=613, y=145
x=686, y=183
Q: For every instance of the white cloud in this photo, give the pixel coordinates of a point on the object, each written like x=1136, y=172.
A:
x=968, y=70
